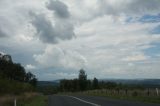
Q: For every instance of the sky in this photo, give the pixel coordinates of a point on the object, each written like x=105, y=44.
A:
x=54, y=39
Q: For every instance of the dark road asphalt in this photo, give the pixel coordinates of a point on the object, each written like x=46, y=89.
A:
x=59, y=100
x=56, y=100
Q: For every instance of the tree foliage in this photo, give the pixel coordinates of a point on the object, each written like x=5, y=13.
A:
x=80, y=84
x=82, y=80
x=95, y=83
x=15, y=72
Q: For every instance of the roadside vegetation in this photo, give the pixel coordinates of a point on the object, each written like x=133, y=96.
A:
x=84, y=86
x=16, y=83
x=132, y=95
x=34, y=100
x=13, y=77
x=94, y=87
x=25, y=99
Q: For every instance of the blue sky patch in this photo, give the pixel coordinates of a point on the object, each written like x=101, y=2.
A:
x=153, y=51
x=156, y=30
x=129, y=20
x=150, y=18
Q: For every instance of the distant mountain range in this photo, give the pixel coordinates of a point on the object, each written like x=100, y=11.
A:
x=142, y=82
x=48, y=83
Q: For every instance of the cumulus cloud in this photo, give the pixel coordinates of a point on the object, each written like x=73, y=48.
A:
x=112, y=36
x=56, y=29
x=52, y=33
x=30, y=67
x=56, y=57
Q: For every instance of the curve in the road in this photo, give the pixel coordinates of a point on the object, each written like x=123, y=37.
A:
x=84, y=101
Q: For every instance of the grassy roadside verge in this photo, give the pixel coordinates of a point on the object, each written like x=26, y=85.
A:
x=144, y=99
x=38, y=100
x=26, y=99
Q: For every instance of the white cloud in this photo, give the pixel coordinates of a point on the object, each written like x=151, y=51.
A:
x=30, y=67
x=86, y=10
x=110, y=45
x=54, y=56
x=106, y=45
x=139, y=57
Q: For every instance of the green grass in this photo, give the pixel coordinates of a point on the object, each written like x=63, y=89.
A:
x=39, y=100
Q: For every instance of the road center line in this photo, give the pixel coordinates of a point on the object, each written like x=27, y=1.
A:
x=84, y=101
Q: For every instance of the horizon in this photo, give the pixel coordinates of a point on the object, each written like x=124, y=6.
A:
x=54, y=39
x=99, y=79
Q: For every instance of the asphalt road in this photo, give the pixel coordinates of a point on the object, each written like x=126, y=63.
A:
x=62, y=100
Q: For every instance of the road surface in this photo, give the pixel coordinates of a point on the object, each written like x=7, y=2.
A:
x=63, y=100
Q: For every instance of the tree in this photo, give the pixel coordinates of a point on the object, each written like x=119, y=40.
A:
x=13, y=77
x=18, y=73
x=89, y=84
x=15, y=71
x=79, y=84
x=82, y=80
x=31, y=79
x=95, y=83
x=82, y=75
x=29, y=76
x=75, y=84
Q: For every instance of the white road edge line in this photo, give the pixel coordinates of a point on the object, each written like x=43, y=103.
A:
x=84, y=101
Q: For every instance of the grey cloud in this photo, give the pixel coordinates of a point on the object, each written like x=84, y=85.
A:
x=44, y=29
x=60, y=9
x=86, y=10
x=3, y=27
x=144, y=6
x=61, y=29
x=2, y=33
x=132, y=7
x=49, y=33
x=151, y=5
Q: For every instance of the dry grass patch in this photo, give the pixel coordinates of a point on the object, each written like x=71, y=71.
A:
x=8, y=100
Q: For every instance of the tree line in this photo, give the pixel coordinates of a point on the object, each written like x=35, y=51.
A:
x=78, y=84
x=82, y=83
x=14, y=75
